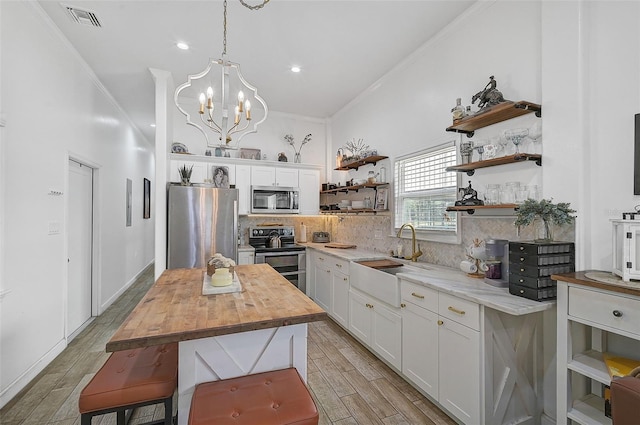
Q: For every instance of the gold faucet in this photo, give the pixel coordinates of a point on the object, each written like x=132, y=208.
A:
x=414, y=254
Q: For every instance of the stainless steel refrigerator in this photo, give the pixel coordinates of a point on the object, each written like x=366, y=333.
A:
x=202, y=221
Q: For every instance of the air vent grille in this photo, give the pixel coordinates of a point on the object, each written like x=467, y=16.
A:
x=83, y=17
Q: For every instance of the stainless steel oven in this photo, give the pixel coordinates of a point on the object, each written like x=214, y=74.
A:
x=290, y=264
x=289, y=259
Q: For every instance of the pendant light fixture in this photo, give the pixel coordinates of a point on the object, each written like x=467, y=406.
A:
x=223, y=101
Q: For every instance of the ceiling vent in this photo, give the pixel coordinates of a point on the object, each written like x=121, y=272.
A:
x=83, y=17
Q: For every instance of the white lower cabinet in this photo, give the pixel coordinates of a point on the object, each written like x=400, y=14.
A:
x=329, y=285
x=591, y=322
x=340, y=297
x=377, y=325
x=246, y=257
x=441, y=355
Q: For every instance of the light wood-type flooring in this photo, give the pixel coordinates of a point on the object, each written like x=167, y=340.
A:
x=349, y=384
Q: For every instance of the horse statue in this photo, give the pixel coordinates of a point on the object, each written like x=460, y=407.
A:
x=469, y=196
x=489, y=96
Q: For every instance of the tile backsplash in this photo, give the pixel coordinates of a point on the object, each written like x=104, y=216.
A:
x=375, y=233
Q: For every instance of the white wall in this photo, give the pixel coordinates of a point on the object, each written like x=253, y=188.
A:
x=55, y=109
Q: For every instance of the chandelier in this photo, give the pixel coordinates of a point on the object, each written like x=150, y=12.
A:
x=223, y=101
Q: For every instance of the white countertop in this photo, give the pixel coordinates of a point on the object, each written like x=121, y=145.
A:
x=446, y=279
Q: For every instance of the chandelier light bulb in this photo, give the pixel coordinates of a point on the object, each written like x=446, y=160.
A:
x=202, y=100
x=247, y=106
x=237, y=120
x=295, y=69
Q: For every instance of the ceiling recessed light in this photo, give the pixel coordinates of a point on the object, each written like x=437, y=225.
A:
x=295, y=69
x=152, y=125
x=182, y=46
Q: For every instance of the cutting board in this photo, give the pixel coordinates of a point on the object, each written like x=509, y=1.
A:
x=339, y=245
x=380, y=264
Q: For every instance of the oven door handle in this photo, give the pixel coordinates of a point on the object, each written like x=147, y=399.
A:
x=279, y=254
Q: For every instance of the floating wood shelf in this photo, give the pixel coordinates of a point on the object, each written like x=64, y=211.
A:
x=470, y=209
x=359, y=163
x=494, y=114
x=510, y=159
x=354, y=188
x=353, y=211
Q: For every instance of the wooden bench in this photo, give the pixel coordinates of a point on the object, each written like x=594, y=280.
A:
x=131, y=379
x=278, y=397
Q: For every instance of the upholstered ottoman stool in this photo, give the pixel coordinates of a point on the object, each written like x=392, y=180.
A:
x=278, y=397
x=130, y=379
x=625, y=399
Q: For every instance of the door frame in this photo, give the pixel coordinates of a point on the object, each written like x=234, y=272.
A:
x=95, y=240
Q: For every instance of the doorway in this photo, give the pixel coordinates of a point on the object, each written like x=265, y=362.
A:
x=80, y=248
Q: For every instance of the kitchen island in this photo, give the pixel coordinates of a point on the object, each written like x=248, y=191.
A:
x=261, y=328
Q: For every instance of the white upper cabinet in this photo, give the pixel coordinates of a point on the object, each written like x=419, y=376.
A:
x=274, y=176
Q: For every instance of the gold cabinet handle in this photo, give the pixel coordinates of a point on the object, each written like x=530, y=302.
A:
x=338, y=265
x=417, y=295
x=320, y=258
x=440, y=323
x=403, y=305
x=328, y=271
x=369, y=305
x=345, y=279
x=455, y=310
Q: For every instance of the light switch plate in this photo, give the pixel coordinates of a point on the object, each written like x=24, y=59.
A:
x=54, y=227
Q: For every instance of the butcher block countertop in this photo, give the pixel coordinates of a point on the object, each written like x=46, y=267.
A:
x=582, y=278
x=174, y=308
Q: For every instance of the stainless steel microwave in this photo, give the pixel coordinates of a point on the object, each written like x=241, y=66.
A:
x=275, y=200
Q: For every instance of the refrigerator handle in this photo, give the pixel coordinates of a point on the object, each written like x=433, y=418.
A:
x=235, y=227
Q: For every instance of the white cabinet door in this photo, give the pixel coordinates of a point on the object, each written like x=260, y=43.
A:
x=286, y=177
x=243, y=184
x=323, y=285
x=274, y=176
x=360, y=315
x=309, y=183
x=263, y=176
x=311, y=274
x=198, y=173
x=340, y=298
x=459, y=370
x=387, y=334
x=246, y=257
x=420, y=347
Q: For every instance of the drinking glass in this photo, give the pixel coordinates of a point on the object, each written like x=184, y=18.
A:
x=516, y=136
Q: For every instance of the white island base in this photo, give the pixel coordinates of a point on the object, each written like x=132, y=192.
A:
x=233, y=355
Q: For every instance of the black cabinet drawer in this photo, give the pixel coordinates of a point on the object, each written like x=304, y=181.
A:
x=542, y=271
x=542, y=260
x=541, y=294
x=531, y=282
x=533, y=248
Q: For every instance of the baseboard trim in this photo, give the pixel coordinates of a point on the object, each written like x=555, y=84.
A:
x=111, y=300
x=23, y=380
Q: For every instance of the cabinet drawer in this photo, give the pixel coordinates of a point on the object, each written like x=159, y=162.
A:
x=339, y=264
x=542, y=260
x=614, y=311
x=531, y=282
x=543, y=271
x=462, y=311
x=531, y=248
x=419, y=295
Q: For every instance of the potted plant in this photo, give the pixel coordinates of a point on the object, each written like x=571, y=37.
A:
x=185, y=175
x=546, y=212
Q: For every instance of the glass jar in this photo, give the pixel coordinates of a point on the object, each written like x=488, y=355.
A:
x=522, y=194
x=508, y=194
x=492, y=196
x=534, y=192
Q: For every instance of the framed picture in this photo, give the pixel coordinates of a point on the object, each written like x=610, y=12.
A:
x=128, y=202
x=246, y=153
x=220, y=176
x=381, y=198
x=146, y=207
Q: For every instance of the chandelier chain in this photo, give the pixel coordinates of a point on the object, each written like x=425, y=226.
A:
x=224, y=22
x=224, y=26
x=256, y=7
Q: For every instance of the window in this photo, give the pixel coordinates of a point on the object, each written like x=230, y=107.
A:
x=424, y=190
